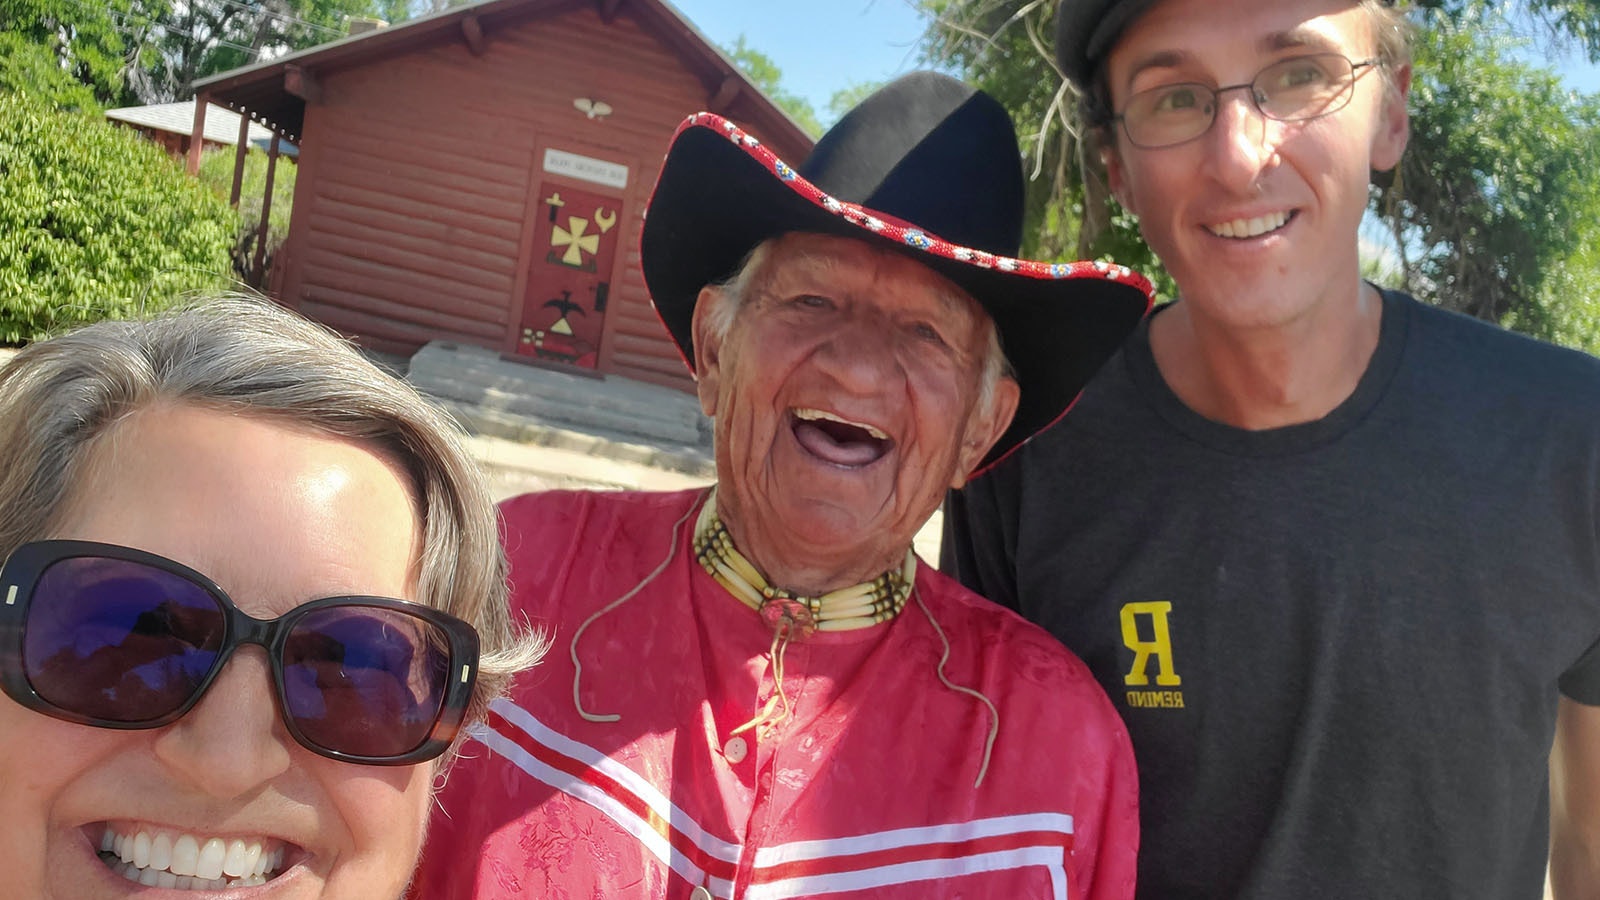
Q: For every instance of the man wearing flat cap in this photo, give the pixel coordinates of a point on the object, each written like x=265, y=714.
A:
x=758, y=690
x=1334, y=554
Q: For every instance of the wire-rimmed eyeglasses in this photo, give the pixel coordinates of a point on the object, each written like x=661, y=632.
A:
x=1296, y=89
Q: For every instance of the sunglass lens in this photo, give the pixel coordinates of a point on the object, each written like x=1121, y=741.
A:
x=117, y=640
x=364, y=680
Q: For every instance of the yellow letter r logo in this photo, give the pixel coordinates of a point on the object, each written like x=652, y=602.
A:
x=1159, y=645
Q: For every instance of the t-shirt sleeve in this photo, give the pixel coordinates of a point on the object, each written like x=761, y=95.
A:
x=978, y=547
x=1582, y=681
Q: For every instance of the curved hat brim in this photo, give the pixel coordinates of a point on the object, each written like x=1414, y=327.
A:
x=721, y=193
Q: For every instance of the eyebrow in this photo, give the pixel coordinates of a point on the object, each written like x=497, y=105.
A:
x=1161, y=59
x=813, y=263
x=800, y=264
x=1298, y=37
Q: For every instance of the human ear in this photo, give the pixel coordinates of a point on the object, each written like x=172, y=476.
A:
x=1116, y=178
x=707, y=347
x=984, y=428
x=1394, y=121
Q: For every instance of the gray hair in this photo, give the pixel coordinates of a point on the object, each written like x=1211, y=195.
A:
x=255, y=358
x=737, y=289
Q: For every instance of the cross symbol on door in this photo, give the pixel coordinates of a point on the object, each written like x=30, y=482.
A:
x=573, y=238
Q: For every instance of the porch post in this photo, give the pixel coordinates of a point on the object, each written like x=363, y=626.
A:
x=266, y=204
x=197, y=137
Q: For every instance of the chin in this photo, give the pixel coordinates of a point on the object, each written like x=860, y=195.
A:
x=825, y=522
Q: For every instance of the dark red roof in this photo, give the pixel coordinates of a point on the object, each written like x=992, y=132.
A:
x=262, y=90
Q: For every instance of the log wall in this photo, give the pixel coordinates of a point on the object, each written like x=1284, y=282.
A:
x=418, y=175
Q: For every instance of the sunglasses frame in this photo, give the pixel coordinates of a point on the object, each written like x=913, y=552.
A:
x=20, y=578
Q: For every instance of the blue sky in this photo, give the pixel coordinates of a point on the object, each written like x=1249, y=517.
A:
x=1582, y=75
x=823, y=46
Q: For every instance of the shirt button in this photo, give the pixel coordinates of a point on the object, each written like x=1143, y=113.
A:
x=735, y=750
x=701, y=893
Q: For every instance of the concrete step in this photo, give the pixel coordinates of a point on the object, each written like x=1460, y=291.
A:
x=508, y=399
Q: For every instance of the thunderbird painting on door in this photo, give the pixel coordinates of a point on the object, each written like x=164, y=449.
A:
x=564, y=306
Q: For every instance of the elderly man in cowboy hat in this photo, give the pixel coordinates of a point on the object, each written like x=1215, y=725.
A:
x=758, y=690
x=1333, y=552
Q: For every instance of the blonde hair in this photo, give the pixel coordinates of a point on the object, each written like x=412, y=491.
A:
x=1391, y=34
x=255, y=358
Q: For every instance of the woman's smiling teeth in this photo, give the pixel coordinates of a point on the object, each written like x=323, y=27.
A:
x=186, y=862
x=837, y=440
x=1249, y=228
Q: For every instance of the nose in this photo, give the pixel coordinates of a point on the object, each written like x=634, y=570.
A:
x=1243, y=142
x=860, y=354
x=233, y=741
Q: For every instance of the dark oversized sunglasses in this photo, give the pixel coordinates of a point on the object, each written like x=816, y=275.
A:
x=113, y=637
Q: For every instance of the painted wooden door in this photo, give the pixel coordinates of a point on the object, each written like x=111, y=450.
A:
x=564, y=304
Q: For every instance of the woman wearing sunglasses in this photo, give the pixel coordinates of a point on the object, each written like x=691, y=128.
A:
x=252, y=590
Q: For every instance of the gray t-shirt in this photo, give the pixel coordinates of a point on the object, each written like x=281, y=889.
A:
x=1337, y=645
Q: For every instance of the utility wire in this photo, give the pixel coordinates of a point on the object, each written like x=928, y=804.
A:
x=283, y=17
x=166, y=26
x=126, y=16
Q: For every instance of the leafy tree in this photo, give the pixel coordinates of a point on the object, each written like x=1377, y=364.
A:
x=33, y=69
x=400, y=10
x=1546, y=21
x=195, y=39
x=760, y=68
x=1491, y=210
x=96, y=222
x=91, y=43
x=146, y=51
x=1006, y=48
x=847, y=97
x=1569, y=312
x=1498, y=183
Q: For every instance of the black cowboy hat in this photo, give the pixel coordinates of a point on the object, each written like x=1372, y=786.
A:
x=926, y=165
x=1087, y=29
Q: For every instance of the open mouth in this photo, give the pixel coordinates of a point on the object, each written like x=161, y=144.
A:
x=837, y=440
x=1244, y=229
x=183, y=861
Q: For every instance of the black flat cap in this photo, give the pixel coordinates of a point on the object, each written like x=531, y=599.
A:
x=1086, y=30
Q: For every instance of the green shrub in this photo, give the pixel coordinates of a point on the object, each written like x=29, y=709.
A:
x=96, y=222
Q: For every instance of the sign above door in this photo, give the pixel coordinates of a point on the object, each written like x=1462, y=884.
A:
x=585, y=168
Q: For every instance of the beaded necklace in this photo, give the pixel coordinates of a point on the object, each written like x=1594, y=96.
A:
x=769, y=716
x=794, y=617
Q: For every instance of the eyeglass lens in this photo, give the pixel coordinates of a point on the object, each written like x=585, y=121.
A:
x=365, y=681
x=1294, y=89
x=124, y=642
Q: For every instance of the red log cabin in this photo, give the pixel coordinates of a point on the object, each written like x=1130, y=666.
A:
x=480, y=175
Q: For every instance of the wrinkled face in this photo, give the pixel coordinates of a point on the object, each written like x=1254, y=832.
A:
x=846, y=397
x=1257, y=219
x=276, y=517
